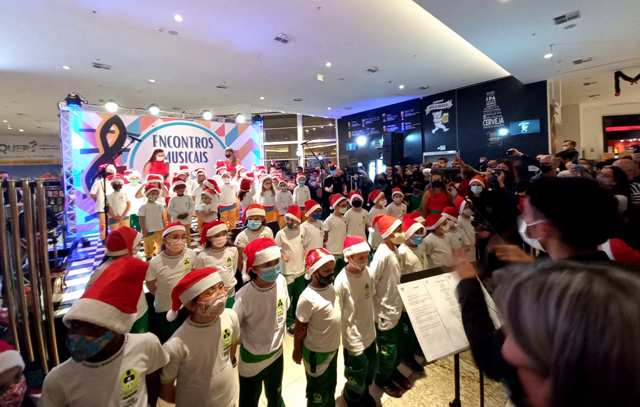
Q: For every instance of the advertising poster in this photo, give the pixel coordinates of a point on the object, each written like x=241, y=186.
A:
x=440, y=131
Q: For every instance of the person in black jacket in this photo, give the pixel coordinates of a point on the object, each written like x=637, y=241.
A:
x=570, y=335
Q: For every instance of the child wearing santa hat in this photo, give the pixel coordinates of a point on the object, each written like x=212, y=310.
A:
x=290, y=241
x=152, y=220
x=196, y=192
x=131, y=186
x=378, y=204
x=385, y=270
x=202, y=351
x=181, y=206
x=108, y=365
x=312, y=228
x=165, y=270
x=354, y=289
x=317, y=331
x=207, y=209
x=100, y=189
x=267, y=198
x=437, y=246
x=118, y=203
x=246, y=194
x=284, y=200
x=357, y=217
x=229, y=209
x=256, y=227
x=220, y=254
x=13, y=384
x=465, y=224
x=335, y=227
x=397, y=208
x=121, y=245
x=455, y=235
x=301, y=193
x=261, y=307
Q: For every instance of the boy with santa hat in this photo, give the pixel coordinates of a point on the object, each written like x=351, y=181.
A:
x=13, y=384
x=436, y=245
x=301, y=193
x=312, y=229
x=218, y=253
x=207, y=209
x=378, y=204
x=118, y=202
x=397, y=208
x=465, y=224
x=357, y=217
x=261, y=307
x=181, y=206
x=411, y=252
x=152, y=221
x=133, y=182
x=335, y=227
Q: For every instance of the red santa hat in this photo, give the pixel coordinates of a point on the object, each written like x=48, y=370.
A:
x=9, y=357
x=621, y=252
x=211, y=229
x=183, y=169
x=385, y=225
x=396, y=191
x=315, y=259
x=209, y=192
x=200, y=170
x=191, y=286
x=211, y=184
x=311, y=206
x=122, y=241
x=116, y=179
x=177, y=182
x=131, y=173
x=154, y=178
x=417, y=216
x=375, y=196
x=294, y=212
x=254, y=210
x=221, y=165
x=149, y=188
x=335, y=199
x=460, y=203
x=260, y=251
x=245, y=185
x=230, y=168
x=478, y=179
x=355, y=195
x=410, y=226
x=300, y=176
x=450, y=213
x=434, y=220
x=354, y=245
x=111, y=302
x=173, y=227
x=249, y=175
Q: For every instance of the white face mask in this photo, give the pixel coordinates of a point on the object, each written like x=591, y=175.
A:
x=359, y=266
x=227, y=181
x=342, y=210
x=522, y=230
x=176, y=246
x=398, y=238
x=219, y=241
x=212, y=307
x=467, y=212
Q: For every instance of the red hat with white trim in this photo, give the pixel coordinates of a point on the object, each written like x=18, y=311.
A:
x=300, y=176
x=478, y=179
x=221, y=165
x=111, y=302
x=386, y=225
x=177, y=182
x=254, y=210
x=9, y=357
x=209, y=192
x=434, y=220
x=149, y=188
x=311, y=206
x=200, y=170
x=417, y=216
x=211, y=184
x=183, y=169
x=116, y=179
x=450, y=213
x=230, y=168
x=211, y=229
x=173, y=227
x=154, y=178
x=315, y=259
x=355, y=195
x=110, y=169
x=249, y=175
x=191, y=286
x=410, y=226
x=131, y=173
x=122, y=241
x=245, y=184
x=261, y=250
x=396, y=191
x=460, y=203
x=335, y=199
x=375, y=196
x=354, y=245
x=294, y=213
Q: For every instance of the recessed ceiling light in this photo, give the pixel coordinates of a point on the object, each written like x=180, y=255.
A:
x=240, y=118
x=400, y=86
x=329, y=108
x=328, y=64
x=154, y=109
x=21, y=130
x=178, y=18
x=111, y=106
x=66, y=67
x=261, y=97
x=320, y=77
x=9, y=128
x=151, y=80
x=5, y=121
x=207, y=115
x=548, y=55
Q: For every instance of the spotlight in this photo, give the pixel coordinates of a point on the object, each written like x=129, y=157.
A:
x=320, y=157
x=73, y=100
x=361, y=141
x=240, y=118
x=400, y=86
x=207, y=115
x=503, y=131
x=111, y=106
x=548, y=55
x=154, y=109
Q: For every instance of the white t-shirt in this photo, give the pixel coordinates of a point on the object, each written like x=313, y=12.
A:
x=199, y=357
x=262, y=314
x=179, y=205
x=438, y=250
x=469, y=234
x=336, y=226
x=312, y=235
x=385, y=272
x=209, y=212
x=248, y=235
x=167, y=271
x=357, y=222
x=374, y=237
x=117, y=201
x=290, y=241
x=116, y=382
x=412, y=259
x=355, y=299
x=318, y=308
x=136, y=203
x=96, y=189
x=228, y=193
x=267, y=198
x=301, y=194
x=248, y=199
x=152, y=212
x=397, y=211
x=284, y=199
x=225, y=260
x=456, y=237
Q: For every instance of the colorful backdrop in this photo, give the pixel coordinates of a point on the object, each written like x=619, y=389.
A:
x=90, y=139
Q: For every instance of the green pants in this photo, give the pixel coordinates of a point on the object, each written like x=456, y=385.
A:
x=141, y=325
x=409, y=342
x=339, y=265
x=359, y=372
x=388, y=345
x=321, y=390
x=162, y=328
x=134, y=222
x=251, y=387
x=295, y=288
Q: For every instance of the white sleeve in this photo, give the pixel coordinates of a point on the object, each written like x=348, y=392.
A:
x=172, y=212
x=152, y=272
x=52, y=392
x=177, y=353
x=304, y=310
x=157, y=357
x=142, y=210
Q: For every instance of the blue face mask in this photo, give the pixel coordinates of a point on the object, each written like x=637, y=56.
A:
x=317, y=216
x=254, y=224
x=82, y=347
x=271, y=274
x=416, y=240
x=476, y=189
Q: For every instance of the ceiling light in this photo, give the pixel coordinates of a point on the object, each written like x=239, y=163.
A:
x=66, y=67
x=151, y=80
x=261, y=97
x=5, y=121
x=400, y=86
x=330, y=124
x=361, y=141
x=328, y=64
x=320, y=77
x=548, y=55
x=313, y=129
x=503, y=131
x=207, y=115
x=306, y=130
x=154, y=109
x=178, y=18
x=111, y=106
x=9, y=128
x=240, y=118
x=329, y=108
x=21, y=130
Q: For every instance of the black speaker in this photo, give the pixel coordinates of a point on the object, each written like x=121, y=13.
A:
x=393, y=149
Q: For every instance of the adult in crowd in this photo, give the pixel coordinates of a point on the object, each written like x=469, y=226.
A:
x=156, y=164
x=335, y=183
x=570, y=333
x=632, y=171
x=615, y=181
x=315, y=184
x=230, y=155
x=567, y=153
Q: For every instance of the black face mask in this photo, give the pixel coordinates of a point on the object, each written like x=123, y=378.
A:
x=325, y=280
x=356, y=203
x=117, y=187
x=545, y=168
x=228, y=155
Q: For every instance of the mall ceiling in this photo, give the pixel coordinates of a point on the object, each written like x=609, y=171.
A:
x=222, y=55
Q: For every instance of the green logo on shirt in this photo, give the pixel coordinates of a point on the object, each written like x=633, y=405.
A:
x=129, y=384
x=280, y=308
x=226, y=338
